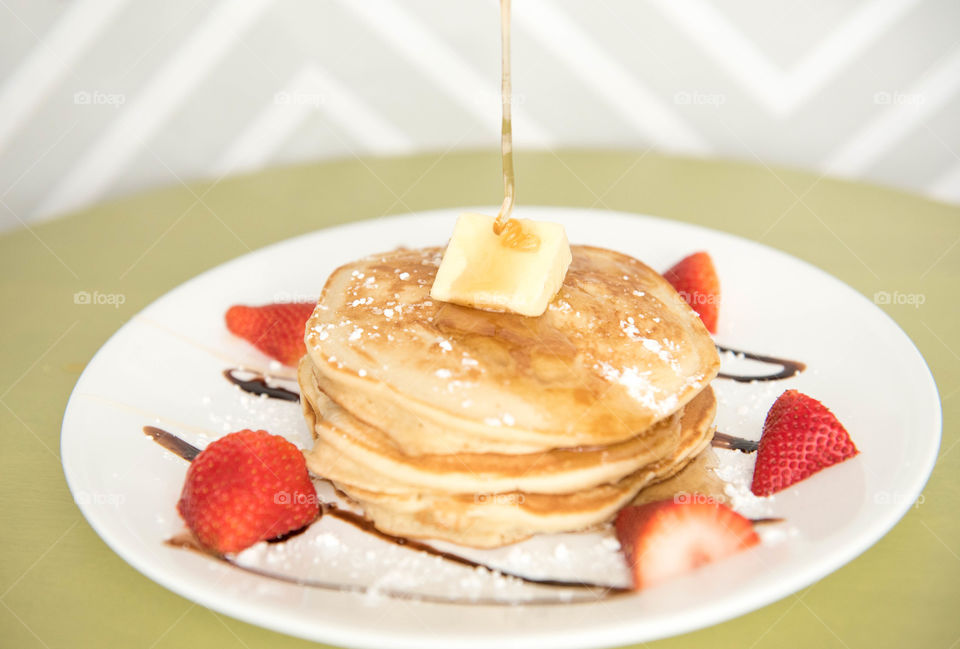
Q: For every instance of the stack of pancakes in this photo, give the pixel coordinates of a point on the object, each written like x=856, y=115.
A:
x=485, y=428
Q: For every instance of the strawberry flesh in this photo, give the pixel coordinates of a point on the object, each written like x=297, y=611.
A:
x=665, y=539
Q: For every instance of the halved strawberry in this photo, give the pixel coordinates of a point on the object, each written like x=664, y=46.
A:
x=275, y=329
x=800, y=437
x=668, y=538
x=695, y=279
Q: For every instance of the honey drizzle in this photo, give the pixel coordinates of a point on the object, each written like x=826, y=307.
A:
x=511, y=233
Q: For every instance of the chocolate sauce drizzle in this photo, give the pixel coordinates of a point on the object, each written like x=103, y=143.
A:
x=788, y=368
x=362, y=523
x=289, y=535
x=258, y=385
x=172, y=443
x=187, y=541
x=733, y=443
x=188, y=452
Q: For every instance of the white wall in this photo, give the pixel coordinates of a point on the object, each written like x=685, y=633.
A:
x=104, y=97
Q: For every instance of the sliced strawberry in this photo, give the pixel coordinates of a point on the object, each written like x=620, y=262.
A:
x=695, y=279
x=800, y=437
x=247, y=487
x=275, y=329
x=668, y=538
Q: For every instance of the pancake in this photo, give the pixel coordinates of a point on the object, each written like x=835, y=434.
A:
x=616, y=352
x=482, y=429
x=487, y=519
x=383, y=466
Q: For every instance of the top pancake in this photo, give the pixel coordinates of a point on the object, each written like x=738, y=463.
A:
x=616, y=351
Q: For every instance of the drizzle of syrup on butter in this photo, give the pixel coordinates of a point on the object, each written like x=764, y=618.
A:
x=511, y=232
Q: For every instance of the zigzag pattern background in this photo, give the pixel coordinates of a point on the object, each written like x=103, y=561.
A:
x=104, y=97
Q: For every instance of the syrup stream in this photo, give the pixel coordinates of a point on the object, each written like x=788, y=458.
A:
x=511, y=233
x=506, y=122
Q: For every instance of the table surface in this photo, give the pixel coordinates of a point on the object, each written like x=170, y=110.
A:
x=60, y=586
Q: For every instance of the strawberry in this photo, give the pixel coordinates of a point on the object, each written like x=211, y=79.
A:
x=800, y=437
x=275, y=329
x=247, y=487
x=668, y=538
x=695, y=279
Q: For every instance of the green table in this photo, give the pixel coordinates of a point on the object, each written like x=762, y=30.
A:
x=60, y=586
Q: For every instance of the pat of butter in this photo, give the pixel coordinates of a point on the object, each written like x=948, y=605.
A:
x=479, y=271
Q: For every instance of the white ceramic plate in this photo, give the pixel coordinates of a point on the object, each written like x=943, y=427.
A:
x=164, y=368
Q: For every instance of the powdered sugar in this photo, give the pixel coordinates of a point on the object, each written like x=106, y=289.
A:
x=736, y=469
x=639, y=387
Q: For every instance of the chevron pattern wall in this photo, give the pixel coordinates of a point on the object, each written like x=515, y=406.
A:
x=103, y=97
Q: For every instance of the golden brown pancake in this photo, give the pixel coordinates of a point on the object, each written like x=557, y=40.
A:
x=482, y=428
x=616, y=351
x=494, y=519
x=342, y=437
